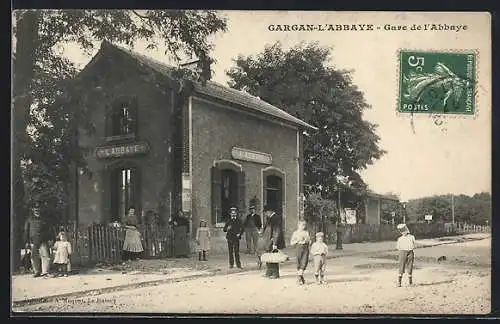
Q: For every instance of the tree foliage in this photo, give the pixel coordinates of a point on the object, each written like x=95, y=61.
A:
x=41, y=80
x=320, y=211
x=474, y=209
x=301, y=82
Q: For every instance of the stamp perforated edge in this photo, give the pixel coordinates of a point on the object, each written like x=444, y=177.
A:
x=435, y=115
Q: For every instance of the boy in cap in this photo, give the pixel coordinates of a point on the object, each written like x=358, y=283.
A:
x=405, y=246
x=319, y=250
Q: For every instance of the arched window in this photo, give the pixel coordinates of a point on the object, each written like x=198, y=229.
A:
x=121, y=119
x=273, y=190
x=228, y=189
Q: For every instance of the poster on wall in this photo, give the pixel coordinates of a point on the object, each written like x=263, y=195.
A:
x=186, y=193
x=350, y=216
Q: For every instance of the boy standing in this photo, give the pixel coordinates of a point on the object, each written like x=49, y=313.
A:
x=405, y=246
x=300, y=238
x=319, y=250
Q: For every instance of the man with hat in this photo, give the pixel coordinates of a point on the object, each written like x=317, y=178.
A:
x=273, y=239
x=37, y=235
x=234, y=229
x=405, y=246
x=252, y=225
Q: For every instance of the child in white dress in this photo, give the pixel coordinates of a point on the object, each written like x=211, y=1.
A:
x=62, y=254
x=203, y=240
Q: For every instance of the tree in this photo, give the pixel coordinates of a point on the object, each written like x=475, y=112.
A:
x=320, y=210
x=300, y=82
x=472, y=210
x=41, y=74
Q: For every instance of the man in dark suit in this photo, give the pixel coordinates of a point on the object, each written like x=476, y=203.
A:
x=275, y=240
x=37, y=235
x=234, y=229
x=253, y=225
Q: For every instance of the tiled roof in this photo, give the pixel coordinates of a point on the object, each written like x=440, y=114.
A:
x=217, y=90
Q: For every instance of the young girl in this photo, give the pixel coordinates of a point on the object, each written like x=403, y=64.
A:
x=405, y=246
x=203, y=240
x=319, y=250
x=301, y=239
x=62, y=253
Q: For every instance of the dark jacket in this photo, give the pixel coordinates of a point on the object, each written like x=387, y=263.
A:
x=255, y=219
x=233, y=227
x=35, y=230
x=273, y=232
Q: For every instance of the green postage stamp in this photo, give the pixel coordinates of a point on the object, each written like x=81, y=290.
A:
x=436, y=82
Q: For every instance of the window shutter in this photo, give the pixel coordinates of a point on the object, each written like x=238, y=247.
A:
x=111, y=188
x=216, y=194
x=136, y=192
x=134, y=110
x=241, y=192
x=264, y=191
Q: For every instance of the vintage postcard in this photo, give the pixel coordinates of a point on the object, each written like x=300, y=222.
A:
x=251, y=162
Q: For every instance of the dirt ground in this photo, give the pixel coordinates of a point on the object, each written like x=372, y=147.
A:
x=459, y=285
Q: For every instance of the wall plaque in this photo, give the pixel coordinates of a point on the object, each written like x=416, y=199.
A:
x=121, y=150
x=251, y=156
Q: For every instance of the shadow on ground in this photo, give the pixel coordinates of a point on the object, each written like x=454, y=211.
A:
x=380, y=265
x=328, y=279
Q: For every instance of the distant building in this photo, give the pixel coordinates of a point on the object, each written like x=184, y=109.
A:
x=165, y=146
x=373, y=206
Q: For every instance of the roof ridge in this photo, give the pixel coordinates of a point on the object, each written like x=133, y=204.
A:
x=255, y=103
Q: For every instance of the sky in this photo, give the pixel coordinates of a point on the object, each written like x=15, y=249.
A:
x=453, y=158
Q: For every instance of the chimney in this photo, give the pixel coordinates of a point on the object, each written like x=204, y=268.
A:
x=200, y=67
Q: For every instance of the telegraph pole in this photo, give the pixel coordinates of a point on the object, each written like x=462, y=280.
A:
x=452, y=209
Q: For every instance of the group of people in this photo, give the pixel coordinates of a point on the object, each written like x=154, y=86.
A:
x=273, y=241
x=267, y=237
x=39, y=250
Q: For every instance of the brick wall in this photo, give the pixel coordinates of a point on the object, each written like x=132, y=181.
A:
x=215, y=131
x=154, y=107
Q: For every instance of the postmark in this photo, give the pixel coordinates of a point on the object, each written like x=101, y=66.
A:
x=437, y=83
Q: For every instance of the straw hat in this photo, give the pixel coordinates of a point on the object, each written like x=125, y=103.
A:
x=320, y=234
x=403, y=229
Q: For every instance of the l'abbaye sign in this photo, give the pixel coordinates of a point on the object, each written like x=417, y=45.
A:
x=251, y=156
x=120, y=150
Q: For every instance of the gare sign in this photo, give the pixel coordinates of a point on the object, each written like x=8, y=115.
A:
x=121, y=150
x=251, y=156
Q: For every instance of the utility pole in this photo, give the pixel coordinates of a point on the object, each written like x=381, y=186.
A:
x=452, y=209
x=404, y=212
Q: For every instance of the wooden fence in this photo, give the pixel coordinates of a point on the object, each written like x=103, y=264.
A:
x=357, y=233
x=103, y=243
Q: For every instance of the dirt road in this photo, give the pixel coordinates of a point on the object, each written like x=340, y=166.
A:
x=459, y=285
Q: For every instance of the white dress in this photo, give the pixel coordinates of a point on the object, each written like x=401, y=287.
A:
x=132, y=241
x=203, y=237
x=62, y=252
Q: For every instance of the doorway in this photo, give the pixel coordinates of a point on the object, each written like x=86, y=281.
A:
x=229, y=193
x=273, y=192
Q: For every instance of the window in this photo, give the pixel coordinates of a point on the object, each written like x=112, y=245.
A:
x=122, y=120
x=273, y=193
x=228, y=189
x=124, y=193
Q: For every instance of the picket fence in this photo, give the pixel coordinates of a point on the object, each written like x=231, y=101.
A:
x=357, y=233
x=103, y=243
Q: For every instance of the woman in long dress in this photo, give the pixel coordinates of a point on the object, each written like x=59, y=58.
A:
x=273, y=239
x=132, y=245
